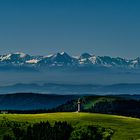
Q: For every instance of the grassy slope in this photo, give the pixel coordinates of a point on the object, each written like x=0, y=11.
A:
x=125, y=128
x=94, y=100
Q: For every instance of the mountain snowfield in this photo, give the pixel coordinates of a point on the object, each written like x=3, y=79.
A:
x=64, y=60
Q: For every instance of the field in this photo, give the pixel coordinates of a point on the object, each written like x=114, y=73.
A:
x=125, y=128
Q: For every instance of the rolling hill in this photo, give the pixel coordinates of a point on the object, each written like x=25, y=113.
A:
x=119, y=105
x=111, y=104
x=32, y=101
x=125, y=128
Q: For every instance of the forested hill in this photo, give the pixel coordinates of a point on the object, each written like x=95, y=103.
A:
x=119, y=105
x=128, y=105
x=32, y=101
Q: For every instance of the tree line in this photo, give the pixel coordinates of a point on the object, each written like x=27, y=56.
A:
x=58, y=131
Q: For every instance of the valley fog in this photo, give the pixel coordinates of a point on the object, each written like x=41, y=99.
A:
x=10, y=78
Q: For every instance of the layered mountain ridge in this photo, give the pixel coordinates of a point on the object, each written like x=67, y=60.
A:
x=65, y=60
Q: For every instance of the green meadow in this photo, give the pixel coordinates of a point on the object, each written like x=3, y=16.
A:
x=125, y=128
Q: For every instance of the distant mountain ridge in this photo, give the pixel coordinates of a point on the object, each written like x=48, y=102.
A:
x=65, y=60
x=73, y=89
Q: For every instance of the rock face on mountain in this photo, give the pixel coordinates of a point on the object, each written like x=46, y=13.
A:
x=65, y=60
x=59, y=59
x=14, y=58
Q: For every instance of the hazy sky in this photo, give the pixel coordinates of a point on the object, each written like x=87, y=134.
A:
x=101, y=27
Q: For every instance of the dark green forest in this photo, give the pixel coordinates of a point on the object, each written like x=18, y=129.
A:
x=103, y=104
x=58, y=131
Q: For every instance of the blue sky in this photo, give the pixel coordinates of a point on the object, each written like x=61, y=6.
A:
x=101, y=27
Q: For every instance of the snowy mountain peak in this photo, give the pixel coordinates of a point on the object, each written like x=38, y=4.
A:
x=21, y=54
x=64, y=59
x=63, y=53
x=32, y=61
x=85, y=55
x=14, y=58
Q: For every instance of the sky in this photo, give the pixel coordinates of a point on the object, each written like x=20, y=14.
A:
x=41, y=27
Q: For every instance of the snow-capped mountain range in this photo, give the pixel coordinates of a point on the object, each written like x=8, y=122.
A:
x=64, y=60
